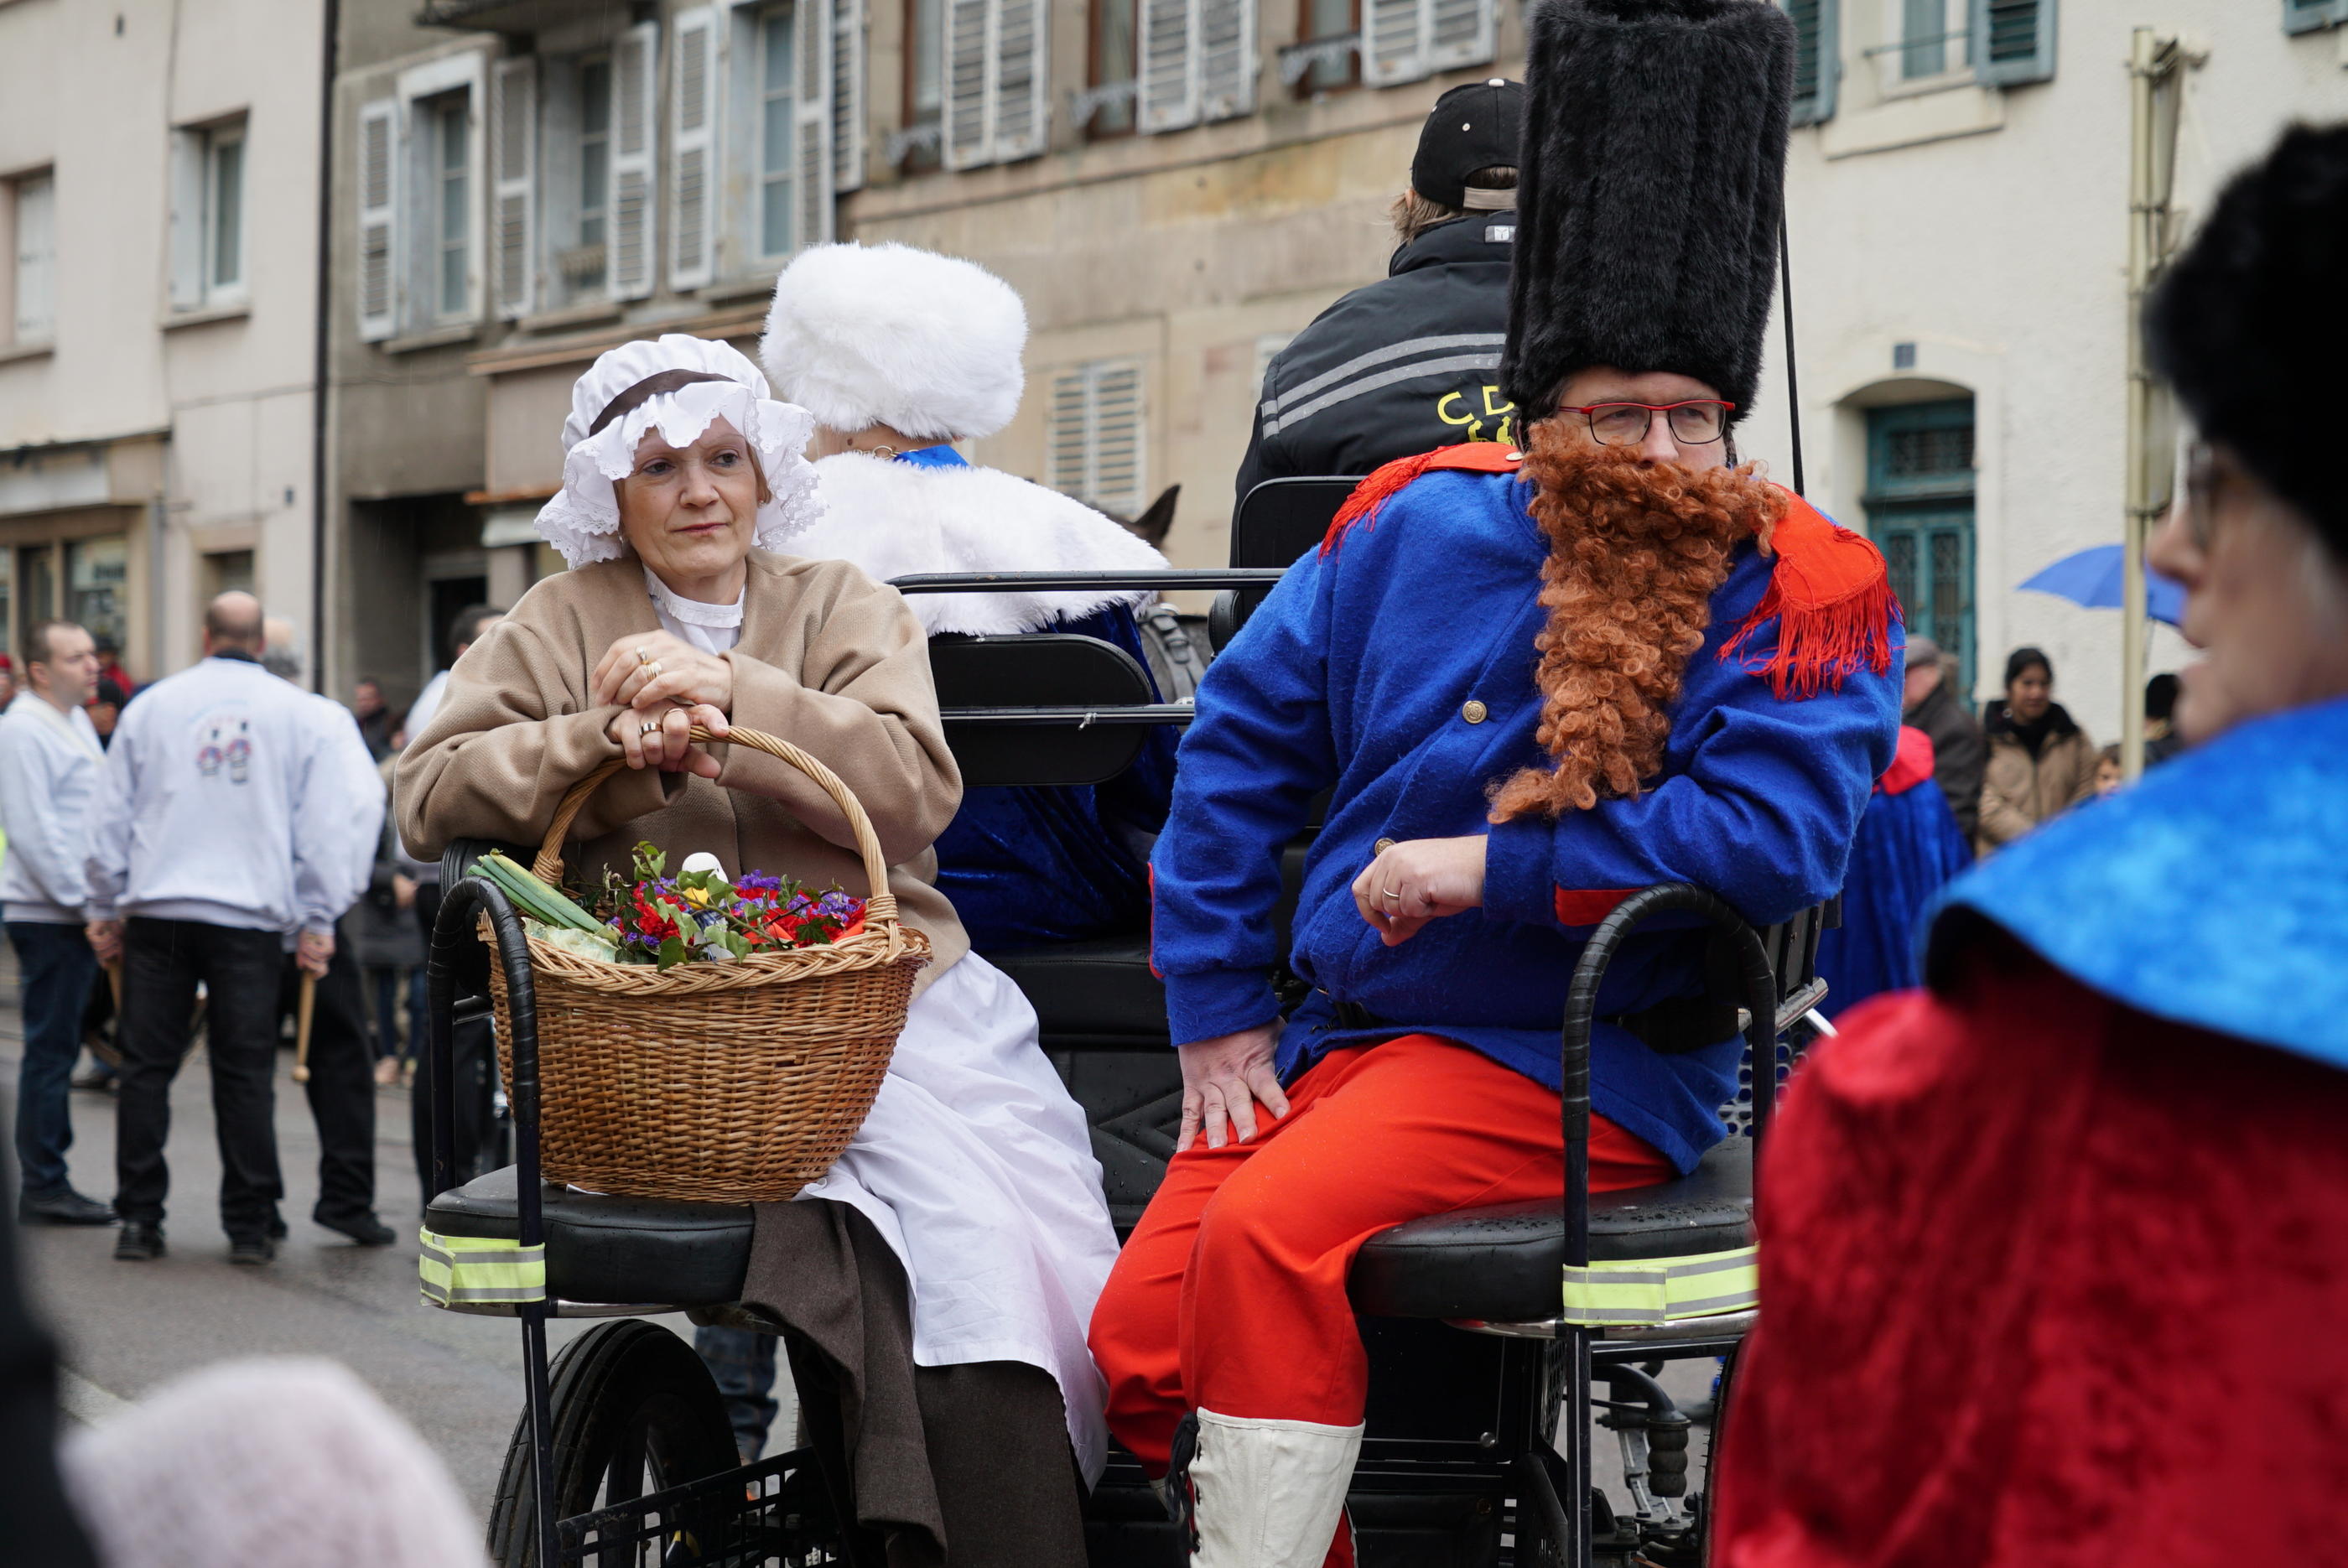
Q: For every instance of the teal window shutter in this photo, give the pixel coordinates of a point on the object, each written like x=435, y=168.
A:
x=1817, y=57
x=2307, y=15
x=2013, y=41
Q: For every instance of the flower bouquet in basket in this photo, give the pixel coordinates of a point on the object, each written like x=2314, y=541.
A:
x=697, y=916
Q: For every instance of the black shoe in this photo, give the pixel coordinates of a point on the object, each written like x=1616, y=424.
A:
x=276, y=1231
x=250, y=1250
x=139, y=1242
x=366, y=1230
x=65, y=1207
x=95, y=1081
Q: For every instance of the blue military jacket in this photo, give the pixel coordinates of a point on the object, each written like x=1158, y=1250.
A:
x=1395, y=668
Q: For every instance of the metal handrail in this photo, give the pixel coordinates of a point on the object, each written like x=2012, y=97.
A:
x=1039, y=582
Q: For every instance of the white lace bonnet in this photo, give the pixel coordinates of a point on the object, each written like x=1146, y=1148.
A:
x=582, y=520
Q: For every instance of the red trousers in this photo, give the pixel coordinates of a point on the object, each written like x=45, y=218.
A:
x=1231, y=1296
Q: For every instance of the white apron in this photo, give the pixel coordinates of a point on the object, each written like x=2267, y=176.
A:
x=976, y=1168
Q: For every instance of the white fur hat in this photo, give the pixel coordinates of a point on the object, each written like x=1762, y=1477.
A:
x=887, y=335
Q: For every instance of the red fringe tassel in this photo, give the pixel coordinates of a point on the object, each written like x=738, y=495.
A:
x=1374, y=492
x=1833, y=605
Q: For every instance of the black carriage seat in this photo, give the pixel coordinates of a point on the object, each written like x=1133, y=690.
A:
x=605, y=1249
x=1503, y=1264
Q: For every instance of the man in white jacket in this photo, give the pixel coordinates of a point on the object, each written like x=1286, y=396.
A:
x=220, y=833
x=49, y=762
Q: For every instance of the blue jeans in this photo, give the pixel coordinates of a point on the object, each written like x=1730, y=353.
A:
x=743, y=1362
x=55, y=970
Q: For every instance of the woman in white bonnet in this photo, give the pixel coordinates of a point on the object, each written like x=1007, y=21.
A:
x=898, y=353
x=938, y=1281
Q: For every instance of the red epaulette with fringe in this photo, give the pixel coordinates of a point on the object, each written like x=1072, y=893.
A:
x=1833, y=603
x=1362, y=506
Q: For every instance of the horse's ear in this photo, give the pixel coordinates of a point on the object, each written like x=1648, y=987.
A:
x=1154, y=524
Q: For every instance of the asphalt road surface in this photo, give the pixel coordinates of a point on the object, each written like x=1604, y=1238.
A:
x=126, y=1328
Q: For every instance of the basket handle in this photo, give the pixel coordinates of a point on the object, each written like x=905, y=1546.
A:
x=879, y=906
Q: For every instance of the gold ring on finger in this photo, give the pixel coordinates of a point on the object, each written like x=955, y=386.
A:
x=643, y=657
x=650, y=727
x=652, y=670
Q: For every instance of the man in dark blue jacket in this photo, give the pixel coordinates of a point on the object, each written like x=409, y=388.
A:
x=1410, y=363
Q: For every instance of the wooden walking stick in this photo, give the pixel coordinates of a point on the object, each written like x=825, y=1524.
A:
x=301, y=1026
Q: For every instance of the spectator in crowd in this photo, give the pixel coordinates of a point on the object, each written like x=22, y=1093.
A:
x=390, y=944
x=7, y=680
x=109, y=668
x=471, y=624
x=2161, y=740
x=105, y=709
x=244, y=819
x=2052, y=1257
x=1909, y=845
x=340, y=1090
x=374, y=716
x=2041, y=763
x=1959, y=751
x=2111, y=777
x=49, y=763
x=1410, y=363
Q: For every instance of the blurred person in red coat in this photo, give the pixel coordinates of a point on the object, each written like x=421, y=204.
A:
x=2052, y=1268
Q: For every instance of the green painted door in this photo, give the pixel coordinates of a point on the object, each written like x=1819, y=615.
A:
x=1919, y=512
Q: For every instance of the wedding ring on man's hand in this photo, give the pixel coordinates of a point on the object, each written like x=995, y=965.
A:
x=1391, y=896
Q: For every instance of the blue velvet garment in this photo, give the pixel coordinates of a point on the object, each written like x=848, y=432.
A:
x=933, y=457
x=1025, y=865
x=1908, y=846
x=1397, y=670
x=2210, y=893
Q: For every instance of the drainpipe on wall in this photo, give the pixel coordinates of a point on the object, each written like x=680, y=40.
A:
x=321, y=501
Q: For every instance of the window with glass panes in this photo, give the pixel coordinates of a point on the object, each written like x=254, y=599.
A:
x=225, y=209
x=1920, y=512
x=775, y=131
x=1330, y=21
x=594, y=173
x=1115, y=63
x=451, y=198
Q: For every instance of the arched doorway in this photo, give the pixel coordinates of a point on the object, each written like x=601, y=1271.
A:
x=1919, y=512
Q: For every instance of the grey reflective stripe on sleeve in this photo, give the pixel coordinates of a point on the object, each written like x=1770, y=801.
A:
x=1275, y=424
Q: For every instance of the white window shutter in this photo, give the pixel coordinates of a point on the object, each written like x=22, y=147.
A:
x=849, y=150
x=970, y=80
x=1071, y=434
x=379, y=209
x=1021, y=73
x=1117, y=438
x=1169, y=70
x=1227, y=59
x=692, y=150
x=1461, y=33
x=1394, y=41
x=36, y=259
x=187, y=279
x=635, y=81
x=513, y=168
x=811, y=116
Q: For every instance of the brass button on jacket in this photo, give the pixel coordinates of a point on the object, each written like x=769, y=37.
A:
x=1382, y=846
x=1474, y=712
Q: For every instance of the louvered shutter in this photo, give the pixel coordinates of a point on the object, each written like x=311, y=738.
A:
x=187, y=257
x=513, y=167
x=1460, y=33
x=1116, y=479
x=1227, y=59
x=1168, y=66
x=635, y=60
x=2306, y=16
x=849, y=149
x=692, y=150
x=811, y=122
x=378, y=164
x=36, y=259
x=1022, y=79
x=2013, y=41
x=969, y=82
x=1817, y=57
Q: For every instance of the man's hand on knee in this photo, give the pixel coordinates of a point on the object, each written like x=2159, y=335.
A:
x=1222, y=1081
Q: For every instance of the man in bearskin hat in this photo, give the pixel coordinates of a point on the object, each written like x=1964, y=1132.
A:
x=1533, y=679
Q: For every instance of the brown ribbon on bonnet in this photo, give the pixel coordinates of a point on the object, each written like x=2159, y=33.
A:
x=649, y=388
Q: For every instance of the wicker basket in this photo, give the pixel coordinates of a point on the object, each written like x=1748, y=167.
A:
x=715, y=1083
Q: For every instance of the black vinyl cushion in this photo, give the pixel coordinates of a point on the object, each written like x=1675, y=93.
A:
x=1507, y=1264
x=604, y=1249
x=1100, y=990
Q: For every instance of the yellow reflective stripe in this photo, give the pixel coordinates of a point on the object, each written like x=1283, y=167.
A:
x=1662, y=1290
x=457, y=1270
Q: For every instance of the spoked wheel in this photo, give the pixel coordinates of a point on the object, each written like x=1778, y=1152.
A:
x=632, y=1411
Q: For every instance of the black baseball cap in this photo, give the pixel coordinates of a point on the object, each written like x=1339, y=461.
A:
x=1473, y=127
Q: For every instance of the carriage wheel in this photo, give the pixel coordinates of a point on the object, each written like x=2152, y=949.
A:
x=632, y=1411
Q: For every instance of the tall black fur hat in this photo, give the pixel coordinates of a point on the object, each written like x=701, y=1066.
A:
x=2248, y=327
x=1649, y=192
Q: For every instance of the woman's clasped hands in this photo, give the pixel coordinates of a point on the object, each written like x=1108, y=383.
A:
x=664, y=687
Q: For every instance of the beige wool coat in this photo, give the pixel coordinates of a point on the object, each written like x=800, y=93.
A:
x=830, y=661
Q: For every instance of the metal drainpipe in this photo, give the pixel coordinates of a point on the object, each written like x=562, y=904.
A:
x=321, y=359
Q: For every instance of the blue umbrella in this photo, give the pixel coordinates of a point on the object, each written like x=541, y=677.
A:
x=2093, y=578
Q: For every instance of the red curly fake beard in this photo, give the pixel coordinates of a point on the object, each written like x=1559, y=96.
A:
x=1637, y=550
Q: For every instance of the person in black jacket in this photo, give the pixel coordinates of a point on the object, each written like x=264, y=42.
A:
x=1410, y=363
